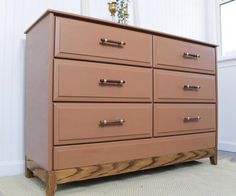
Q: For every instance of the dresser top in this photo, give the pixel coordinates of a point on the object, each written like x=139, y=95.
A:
x=108, y=23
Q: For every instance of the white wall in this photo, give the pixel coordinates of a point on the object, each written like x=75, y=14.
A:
x=190, y=18
x=183, y=17
x=15, y=17
x=226, y=96
x=227, y=104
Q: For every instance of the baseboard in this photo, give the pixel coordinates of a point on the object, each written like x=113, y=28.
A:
x=11, y=168
x=227, y=146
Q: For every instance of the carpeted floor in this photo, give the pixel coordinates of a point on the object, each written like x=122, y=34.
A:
x=189, y=179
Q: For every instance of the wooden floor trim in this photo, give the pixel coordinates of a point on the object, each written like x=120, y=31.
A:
x=54, y=178
x=96, y=171
x=37, y=170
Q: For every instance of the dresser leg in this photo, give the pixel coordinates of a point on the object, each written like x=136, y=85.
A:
x=213, y=160
x=28, y=172
x=51, y=184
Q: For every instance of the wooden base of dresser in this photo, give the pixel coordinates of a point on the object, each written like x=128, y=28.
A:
x=54, y=178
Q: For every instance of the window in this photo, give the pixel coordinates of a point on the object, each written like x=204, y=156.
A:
x=228, y=28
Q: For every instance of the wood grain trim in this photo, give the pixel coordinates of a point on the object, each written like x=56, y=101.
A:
x=54, y=178
x=48, y=177
x=71, y=156
x=97, y=171
x=37, y=170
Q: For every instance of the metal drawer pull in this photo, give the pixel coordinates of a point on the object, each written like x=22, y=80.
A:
x=111, y=82
x=192, y=119
x=189, y=55
x=191, y=87
x=111, y=122
x=105, y=41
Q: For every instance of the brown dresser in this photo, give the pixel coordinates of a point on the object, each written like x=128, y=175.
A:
x=104, y=99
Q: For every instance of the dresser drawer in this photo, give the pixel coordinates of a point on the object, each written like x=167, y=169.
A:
x=73, y=156
x=84, y=40
x=88, y=81
x=176, y=86
x=181, y=55
x=173, y=119
x=83, y=122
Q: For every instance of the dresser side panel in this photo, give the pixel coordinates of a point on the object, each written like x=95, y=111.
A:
x=217, y=108
x=38, y=92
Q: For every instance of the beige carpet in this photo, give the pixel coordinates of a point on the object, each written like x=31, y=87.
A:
x=190, y=179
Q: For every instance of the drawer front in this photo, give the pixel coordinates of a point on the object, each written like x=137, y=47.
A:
x=176, y=86
x=81, y=122
x=88, y=81
x=90, y=41
x=173, y=119
x=94, y=154
x=181, y=55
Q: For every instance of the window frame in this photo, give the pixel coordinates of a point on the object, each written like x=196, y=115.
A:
x=219, y=34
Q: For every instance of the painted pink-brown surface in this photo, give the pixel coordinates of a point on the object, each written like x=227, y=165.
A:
x=78, y=39
x=169, y=54
x=172, y=119
x=170, y=86
x=80, y=81
x=80, y=122
x=82, y=73
x=38, y=119
x=92, y=154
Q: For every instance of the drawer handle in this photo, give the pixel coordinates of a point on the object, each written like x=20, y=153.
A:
x=105, y=41
x=191, y=87
x=192, y=56
x=111, y=122
x=111, y=82
x=192, y=119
